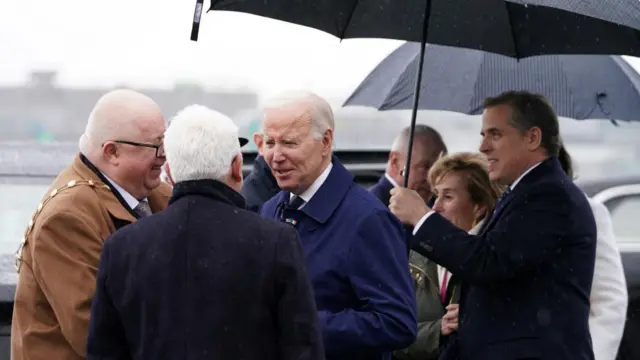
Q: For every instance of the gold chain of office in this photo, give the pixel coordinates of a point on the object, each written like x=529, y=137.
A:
x=51, y=195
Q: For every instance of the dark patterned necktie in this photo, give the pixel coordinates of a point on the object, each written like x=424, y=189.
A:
x=292, y=203
x=295, y=202
x=143, y=209
x=500, y=201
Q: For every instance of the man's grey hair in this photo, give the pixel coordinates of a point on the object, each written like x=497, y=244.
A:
x=200, y=144
x=320, y=111
x=424, y=133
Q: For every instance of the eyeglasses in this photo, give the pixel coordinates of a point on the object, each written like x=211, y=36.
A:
x=159, y=148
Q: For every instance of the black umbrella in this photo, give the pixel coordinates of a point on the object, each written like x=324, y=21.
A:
x=454, y=79
x=514, y=28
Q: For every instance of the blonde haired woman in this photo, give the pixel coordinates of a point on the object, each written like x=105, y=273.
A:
x=466, y=197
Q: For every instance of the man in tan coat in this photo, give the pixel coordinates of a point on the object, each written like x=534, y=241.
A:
x=114, y=180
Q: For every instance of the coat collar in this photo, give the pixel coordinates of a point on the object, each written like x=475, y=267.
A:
x=382, y=189
x=384, y=183
x=549, y=167
x=110, y=198
x=262, y=172
x=326, y=200
x=210, y=188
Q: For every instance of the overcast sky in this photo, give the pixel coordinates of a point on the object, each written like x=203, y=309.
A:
x=146, y=42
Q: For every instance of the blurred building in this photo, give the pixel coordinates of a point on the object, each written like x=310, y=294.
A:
x=42, y=110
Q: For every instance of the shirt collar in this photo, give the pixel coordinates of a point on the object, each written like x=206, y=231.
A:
x=513, y=186
x=390, y=179
x=308, y=194
x=131, y=201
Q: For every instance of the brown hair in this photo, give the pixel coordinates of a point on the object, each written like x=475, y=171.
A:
x=566, y=162
x=529, y=110
x=474, y=167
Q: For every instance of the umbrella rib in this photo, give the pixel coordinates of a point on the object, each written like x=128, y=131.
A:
x=569, y=87
x=516, y=53
x=346, y=25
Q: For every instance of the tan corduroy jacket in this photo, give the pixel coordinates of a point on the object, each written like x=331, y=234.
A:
x=58, y=263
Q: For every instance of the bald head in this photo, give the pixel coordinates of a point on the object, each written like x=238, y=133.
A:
x=124, y=140
x=118, y=115
x=428, y=146
x=425, y=136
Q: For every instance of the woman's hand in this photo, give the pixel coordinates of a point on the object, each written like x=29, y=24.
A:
x=449, y=322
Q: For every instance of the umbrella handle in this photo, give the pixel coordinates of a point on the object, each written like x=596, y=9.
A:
x=197, y=13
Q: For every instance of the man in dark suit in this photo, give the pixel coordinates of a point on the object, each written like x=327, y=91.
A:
x=428, y=146
x=204, y=279
x=527, y=276
x=260, y=185
x=355, y=249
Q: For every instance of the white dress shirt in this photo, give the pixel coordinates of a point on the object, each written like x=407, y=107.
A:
x=128, y=198
x=441, y=272
x=315, y=186
x=390, y=179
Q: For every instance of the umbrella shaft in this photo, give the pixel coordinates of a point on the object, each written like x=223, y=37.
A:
x=416, y=92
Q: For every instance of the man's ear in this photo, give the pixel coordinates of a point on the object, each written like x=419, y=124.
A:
x=110, y=153
x=327, y=142
x=534, y=138
x=395, y=159
x=236, y=169
x=257, y=139
x=167, y=170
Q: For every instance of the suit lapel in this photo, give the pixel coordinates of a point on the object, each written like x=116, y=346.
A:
x=549, y=167
x=109, y=197
x=504, y=204
x=453, y=291
x=384, y=187
x=432, y=272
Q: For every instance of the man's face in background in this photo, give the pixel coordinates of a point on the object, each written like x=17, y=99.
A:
x=423, y=156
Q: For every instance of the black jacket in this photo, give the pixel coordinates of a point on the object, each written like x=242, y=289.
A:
x=204, y=279
x=260, y=185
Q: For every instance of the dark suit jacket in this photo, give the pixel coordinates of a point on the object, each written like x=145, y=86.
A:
x=204, y=279
x=381, y=190
x=260, y=185
x=527, y=277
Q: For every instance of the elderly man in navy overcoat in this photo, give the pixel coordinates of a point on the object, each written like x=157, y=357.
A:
x=355, y=249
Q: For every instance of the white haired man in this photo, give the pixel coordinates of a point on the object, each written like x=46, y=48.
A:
x=205, y=278
x=355, y=248
x=112, y=182
x=428, y=146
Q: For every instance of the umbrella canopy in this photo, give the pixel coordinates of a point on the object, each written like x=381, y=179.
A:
x=515, y=28
x=578, y=86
